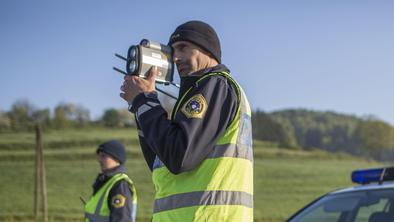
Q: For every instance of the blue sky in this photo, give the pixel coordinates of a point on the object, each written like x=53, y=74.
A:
x=320, y=55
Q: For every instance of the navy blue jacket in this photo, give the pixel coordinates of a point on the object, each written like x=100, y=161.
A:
x=118, y=214
x=184, y=142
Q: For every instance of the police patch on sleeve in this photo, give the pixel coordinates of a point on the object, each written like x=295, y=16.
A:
x=118, y=201
x=195, y=107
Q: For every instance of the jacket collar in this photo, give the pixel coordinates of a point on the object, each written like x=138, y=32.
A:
x=189, y=80
x=102, y=178
x=116, y=170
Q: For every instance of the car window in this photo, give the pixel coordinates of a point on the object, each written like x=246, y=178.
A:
x=329, y=208
x=356, y=206
x=320, y=215
x=365, y=212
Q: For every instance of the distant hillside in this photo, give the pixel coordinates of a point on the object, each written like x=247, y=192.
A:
x=306, y=129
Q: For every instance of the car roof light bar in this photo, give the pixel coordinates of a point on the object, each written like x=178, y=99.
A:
x=379, y=175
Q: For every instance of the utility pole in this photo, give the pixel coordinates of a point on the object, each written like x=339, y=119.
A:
x=40, y=179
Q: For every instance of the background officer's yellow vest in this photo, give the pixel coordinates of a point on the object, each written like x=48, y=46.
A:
x=96, y=209
x=221, y=187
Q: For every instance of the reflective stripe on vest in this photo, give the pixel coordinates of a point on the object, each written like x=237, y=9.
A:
x=217, y=197
x=223, y=150
x=221, y=187
x=97, y=210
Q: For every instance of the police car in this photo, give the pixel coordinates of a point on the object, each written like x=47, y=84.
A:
x=371, y=201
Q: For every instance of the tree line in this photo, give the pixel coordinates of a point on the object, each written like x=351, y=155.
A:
x=330, y=131
x=292, y=128
x=23, y=115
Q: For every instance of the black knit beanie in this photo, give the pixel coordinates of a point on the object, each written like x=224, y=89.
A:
x=201, y=34
x=115, y=149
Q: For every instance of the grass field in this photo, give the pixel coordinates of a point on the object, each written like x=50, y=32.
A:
x=284, y=181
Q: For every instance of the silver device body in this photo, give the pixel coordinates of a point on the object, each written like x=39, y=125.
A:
x=140, y=59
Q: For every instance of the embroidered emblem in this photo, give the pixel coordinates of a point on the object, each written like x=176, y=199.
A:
x=195, y=107
x=175, y=36
x=118, y=201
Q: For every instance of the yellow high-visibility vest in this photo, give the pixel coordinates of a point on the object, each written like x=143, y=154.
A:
x=221, y=187
x=97, y=209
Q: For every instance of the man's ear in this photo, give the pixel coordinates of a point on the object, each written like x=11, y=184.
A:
x=206, y=53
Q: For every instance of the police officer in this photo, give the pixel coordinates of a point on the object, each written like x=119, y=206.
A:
x=201, y=158
x=114, y=196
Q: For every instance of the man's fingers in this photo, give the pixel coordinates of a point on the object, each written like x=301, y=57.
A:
x=123, y=86
x=135, y=79
x=152, y=74
x=127, y=77
x=138, y=84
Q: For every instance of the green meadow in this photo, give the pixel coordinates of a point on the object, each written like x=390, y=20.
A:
x=284, y=181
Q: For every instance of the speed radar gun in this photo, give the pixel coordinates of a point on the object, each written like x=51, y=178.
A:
x=140, y=59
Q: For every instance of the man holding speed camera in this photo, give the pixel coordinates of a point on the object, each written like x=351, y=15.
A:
x=201, y=158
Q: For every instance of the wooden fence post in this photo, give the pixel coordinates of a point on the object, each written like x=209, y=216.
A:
x=37, y=177
x=40, y=180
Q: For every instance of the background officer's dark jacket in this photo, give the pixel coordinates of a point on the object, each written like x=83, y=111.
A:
x=183, y=143
x=122, y=214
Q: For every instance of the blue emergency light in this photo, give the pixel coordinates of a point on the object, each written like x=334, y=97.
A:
x=366, y=176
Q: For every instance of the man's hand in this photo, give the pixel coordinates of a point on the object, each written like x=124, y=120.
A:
x=134, y=85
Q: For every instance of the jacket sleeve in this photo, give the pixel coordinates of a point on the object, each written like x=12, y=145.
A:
x=183, y=143
x=149, y=155
x=120, y=202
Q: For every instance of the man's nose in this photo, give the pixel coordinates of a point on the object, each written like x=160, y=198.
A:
x=176, y=58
